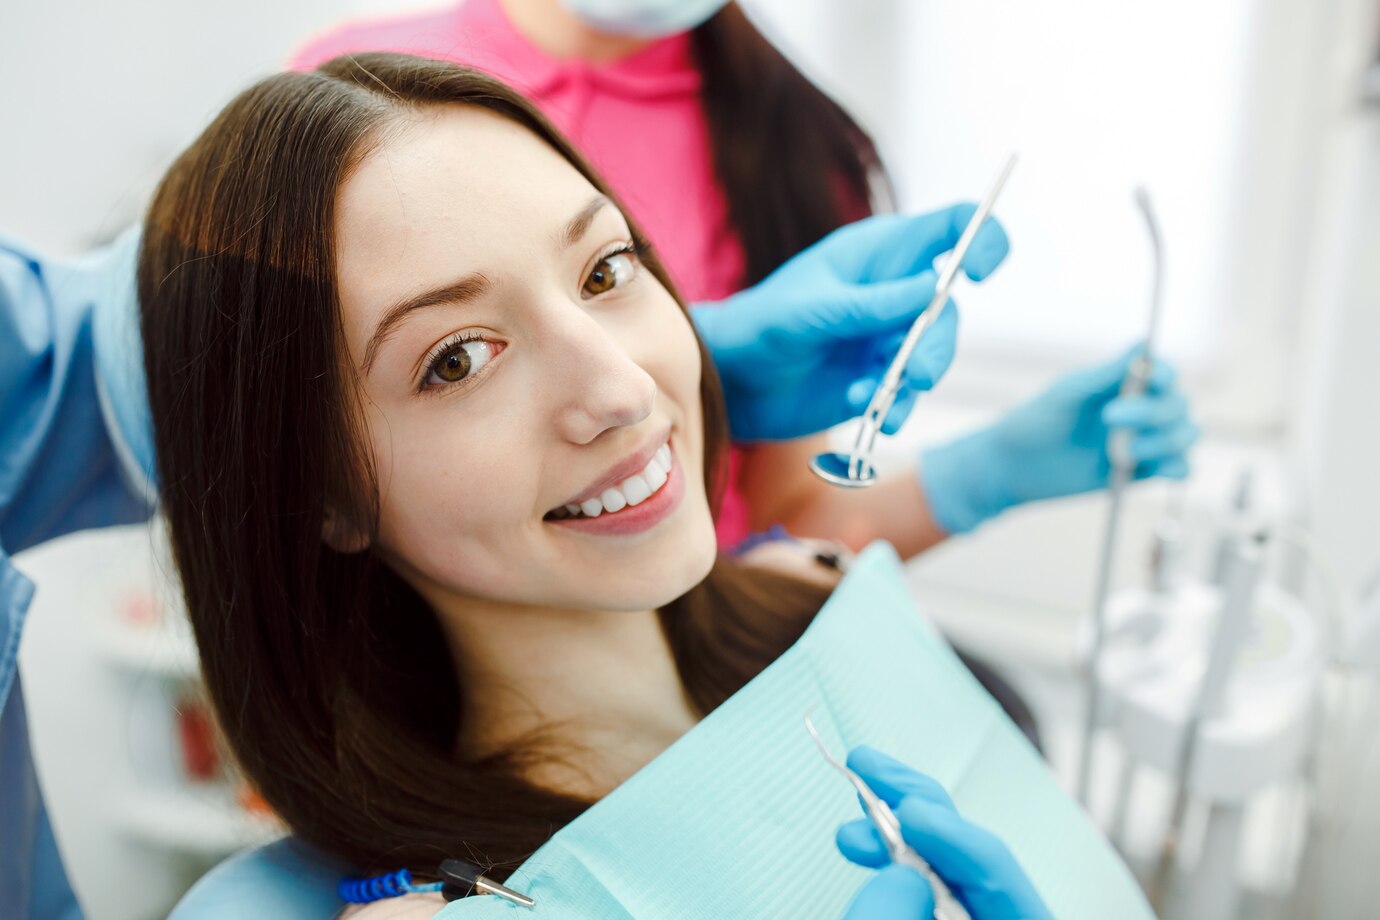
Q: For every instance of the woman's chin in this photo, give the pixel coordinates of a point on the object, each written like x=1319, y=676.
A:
x=653, y=583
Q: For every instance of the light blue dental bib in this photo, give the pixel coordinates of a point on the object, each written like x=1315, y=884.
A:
x=737, y=818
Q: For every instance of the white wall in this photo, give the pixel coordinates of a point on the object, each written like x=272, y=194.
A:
x=1337, y=431
x=1096, y=98
x=98, y=98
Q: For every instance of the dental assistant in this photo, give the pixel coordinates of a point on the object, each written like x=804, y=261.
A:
x=732, y=162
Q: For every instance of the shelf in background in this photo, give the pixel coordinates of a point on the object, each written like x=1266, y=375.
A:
x=202, y=821
x=156, y=649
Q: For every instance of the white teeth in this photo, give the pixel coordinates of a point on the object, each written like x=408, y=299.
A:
x=613, y=500
x=635, y=488
x=655, y=474
x=632, y=491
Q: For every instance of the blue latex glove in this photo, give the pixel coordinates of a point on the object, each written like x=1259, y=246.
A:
x=975, y=864
x=804, y=349
x=1056, y=445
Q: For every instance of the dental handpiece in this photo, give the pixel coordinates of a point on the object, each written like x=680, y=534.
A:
x=1123, y=468
x=1137, y=379
x=1136, y=382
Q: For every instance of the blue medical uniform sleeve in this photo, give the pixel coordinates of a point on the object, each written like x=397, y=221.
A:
x=58, y=473
x=33, y=884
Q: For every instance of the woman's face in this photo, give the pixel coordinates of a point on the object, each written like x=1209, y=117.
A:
x=516, y=359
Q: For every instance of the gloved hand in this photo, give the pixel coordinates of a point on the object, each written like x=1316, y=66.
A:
x=1056, y=445
x=975, y=864
x=805, y=349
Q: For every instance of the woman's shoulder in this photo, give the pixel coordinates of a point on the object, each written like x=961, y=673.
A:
x=818, y=562
x=407, y=907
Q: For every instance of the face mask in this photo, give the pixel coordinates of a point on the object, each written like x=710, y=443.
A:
x=644, y=18
x=737, y=818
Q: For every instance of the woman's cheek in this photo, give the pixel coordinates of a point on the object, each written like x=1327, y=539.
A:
x=680, y=352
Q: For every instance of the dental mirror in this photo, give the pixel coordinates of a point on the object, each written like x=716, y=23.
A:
x=855, y=470
x=833, y=469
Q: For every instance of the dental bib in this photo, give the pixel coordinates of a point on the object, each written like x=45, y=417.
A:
x=737, y=818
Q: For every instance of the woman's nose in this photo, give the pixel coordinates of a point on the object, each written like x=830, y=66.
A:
x=603, y=385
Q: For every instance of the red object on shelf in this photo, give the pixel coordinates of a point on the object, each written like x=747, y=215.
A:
x=196, y=731
x=139, y=609
x=253, y=803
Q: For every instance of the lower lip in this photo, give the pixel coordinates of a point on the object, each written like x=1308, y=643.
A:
x=637, y=518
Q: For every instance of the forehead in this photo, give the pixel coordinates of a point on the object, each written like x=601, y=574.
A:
x=455, y=190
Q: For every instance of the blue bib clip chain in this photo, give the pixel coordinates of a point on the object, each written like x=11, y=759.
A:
x=459, y=879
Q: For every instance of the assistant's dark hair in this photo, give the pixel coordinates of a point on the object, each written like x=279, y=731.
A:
x=793, y=164
x=329, y=675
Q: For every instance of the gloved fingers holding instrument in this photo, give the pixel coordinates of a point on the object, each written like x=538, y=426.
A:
x=894, y=893
x=978, y=868
x=1057, y=444
x=804, y=349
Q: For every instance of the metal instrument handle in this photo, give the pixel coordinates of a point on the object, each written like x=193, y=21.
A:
x=860, y=459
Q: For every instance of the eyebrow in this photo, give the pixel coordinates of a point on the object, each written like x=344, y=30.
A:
x=578, y=225
x=472, y=286
x=464, y=290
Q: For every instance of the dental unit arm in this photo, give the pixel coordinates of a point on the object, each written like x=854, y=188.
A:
x=1122, y=472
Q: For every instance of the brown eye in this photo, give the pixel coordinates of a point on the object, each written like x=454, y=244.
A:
x=609, y=272
x=454, y=365
x=458, y=361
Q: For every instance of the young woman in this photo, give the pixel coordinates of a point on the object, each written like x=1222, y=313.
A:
x=438, y=446
x=733, y=161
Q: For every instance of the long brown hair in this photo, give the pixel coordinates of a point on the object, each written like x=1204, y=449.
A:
x=793, y=164
x=329, y=675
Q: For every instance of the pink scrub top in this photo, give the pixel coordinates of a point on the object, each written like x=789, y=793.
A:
x=638, y=120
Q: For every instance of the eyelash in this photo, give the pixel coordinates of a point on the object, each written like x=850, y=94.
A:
x=633, y=247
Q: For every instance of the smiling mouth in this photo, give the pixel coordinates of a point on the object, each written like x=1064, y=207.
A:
x=628, y=493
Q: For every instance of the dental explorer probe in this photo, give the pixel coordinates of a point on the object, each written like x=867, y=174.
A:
x=946, y=906
x=1123, y=469
x=854, y=470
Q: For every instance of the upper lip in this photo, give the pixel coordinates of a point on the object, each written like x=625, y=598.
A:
x=632, y=464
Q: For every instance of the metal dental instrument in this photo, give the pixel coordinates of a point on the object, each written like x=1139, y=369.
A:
x=946, y=907
x=854, y=470
x=1123, y=469
x=463, y=878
